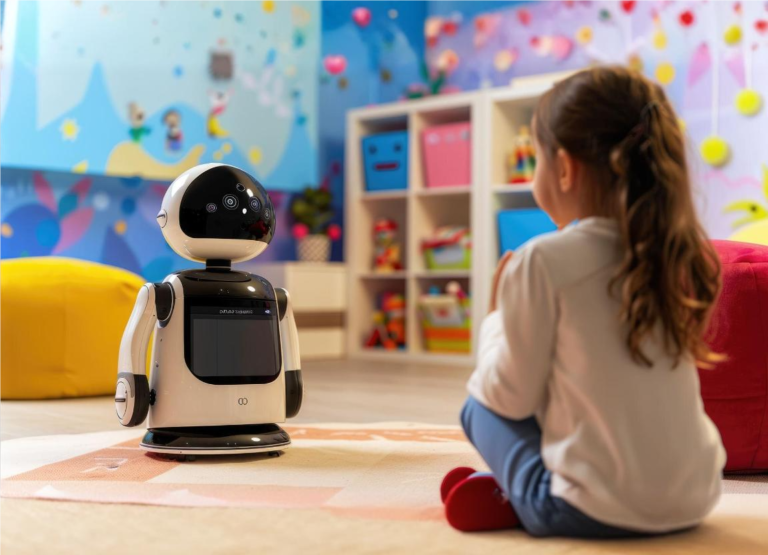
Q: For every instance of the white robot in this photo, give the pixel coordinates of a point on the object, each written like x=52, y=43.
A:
x=221, y=378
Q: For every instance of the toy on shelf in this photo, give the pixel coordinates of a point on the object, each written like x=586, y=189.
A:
x=449, y=249
x=386, y=248
x=388, y=323
x=446, y=319
x=521, y=163
x=385, y=158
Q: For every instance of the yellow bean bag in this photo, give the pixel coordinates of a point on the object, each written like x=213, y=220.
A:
x=62, y=322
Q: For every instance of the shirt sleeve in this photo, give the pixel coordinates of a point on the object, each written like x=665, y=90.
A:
x=516, y=341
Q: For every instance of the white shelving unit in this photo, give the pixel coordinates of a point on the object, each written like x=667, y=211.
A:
x=495, y=116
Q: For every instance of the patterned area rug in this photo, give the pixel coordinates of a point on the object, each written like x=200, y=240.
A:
x=385, y=471
x=381, y=471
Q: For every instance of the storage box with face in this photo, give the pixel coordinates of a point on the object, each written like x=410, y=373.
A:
x=385, y=158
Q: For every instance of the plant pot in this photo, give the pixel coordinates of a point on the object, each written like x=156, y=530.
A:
x=314, y=248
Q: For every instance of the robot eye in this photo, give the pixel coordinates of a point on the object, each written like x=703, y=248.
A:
x=372, y=149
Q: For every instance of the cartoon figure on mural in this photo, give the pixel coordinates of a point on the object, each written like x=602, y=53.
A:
x=753, y=226
x=173, y=135
x=219, y=101
x=136, y=117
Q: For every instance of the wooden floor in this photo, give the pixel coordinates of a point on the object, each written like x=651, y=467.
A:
x=335, y=391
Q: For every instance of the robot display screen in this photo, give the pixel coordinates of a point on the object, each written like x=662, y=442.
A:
x=234, y=344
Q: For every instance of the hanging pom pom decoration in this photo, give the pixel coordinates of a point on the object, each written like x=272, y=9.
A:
x=687, y=18
x=732, y=35
x=665, y=73
x=748, y=102
x=584, y=35
x=361, y=17
x=715, y=151
x=628, y=6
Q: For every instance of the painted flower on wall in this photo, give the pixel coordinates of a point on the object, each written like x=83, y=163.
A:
x=50, y=225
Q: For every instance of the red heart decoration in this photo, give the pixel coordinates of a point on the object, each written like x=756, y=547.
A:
x=628, y=6
x=524, y=17
x=450, y=28
x=361, y=16
x=761, y=25
x=335, y=64
x=686, y=18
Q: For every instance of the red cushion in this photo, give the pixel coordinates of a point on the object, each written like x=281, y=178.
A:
x=735, y=393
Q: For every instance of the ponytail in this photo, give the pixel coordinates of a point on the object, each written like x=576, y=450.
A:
x=670, y=274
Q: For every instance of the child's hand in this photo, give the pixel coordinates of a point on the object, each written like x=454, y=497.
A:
x=497, y=277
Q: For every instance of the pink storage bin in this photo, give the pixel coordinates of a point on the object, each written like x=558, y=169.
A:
x=447, y=155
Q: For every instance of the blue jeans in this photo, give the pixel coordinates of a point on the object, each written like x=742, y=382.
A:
x=512, y=448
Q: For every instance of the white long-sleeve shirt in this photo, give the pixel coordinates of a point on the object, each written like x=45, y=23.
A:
x=628, y=445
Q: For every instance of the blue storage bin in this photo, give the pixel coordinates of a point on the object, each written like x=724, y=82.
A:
x=518, y=226
x=385, y=157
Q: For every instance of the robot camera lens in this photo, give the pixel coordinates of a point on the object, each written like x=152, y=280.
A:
x=255, y=204
x=267, y=214
x=240, y=187
x=230, y=202
x=211, y=207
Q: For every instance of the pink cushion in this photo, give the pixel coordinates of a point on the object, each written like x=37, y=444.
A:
x=735, y=393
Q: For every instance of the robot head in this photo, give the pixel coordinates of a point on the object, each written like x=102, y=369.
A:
x=217, y=212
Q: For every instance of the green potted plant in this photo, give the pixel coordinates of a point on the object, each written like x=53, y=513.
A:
x=312, y=213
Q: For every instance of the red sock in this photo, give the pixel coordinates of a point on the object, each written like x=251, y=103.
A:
x=453, y=478
x=478, y=503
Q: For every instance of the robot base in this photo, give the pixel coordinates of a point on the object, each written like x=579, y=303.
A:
x=216, y=440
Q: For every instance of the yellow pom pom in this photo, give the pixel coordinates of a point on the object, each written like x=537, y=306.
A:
x=659, y=40
x=715, y=151
x=584, y=35
x=121, y=227
x=748, y=102
x=665, y=73
x=732, y=35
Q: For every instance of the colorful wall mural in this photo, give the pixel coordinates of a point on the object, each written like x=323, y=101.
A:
x=104, y=219
x=152, y=88
x=711, y=57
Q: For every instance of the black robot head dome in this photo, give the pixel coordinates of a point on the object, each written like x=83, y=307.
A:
x=217, y=211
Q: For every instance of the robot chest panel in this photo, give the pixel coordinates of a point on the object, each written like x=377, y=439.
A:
x=231, y=331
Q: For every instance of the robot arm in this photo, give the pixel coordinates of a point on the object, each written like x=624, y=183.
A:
x=132, y=390
x=294, y=387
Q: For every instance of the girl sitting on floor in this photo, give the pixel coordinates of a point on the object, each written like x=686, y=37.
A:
x=585, y=402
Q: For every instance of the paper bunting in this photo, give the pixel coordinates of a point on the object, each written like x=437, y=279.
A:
x=700, y=63
x=735, y=65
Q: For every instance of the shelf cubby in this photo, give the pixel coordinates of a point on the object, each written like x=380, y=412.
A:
x=495, y=117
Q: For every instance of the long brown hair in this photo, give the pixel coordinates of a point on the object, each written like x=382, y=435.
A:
x=623, y=129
